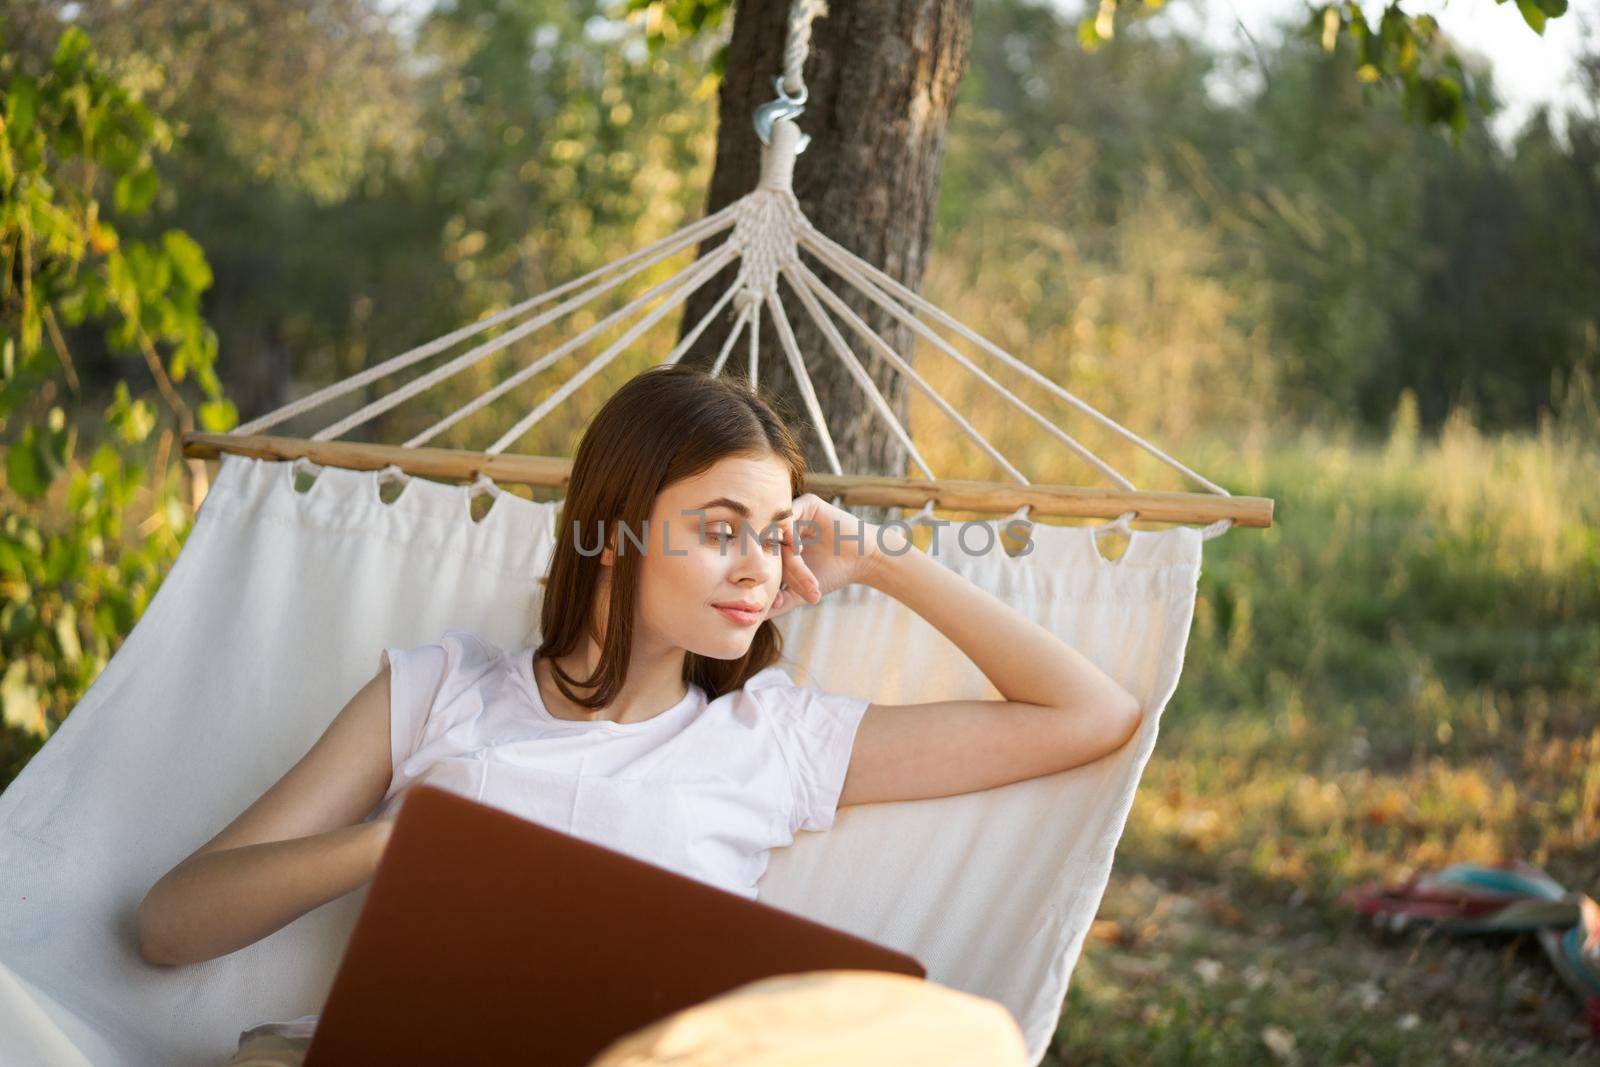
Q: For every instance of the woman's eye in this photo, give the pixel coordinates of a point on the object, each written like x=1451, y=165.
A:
x=722, y=533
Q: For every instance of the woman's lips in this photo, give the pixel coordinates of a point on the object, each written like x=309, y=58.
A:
x=743, y=618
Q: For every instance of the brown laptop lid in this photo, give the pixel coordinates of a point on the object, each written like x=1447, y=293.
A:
x=486, y=938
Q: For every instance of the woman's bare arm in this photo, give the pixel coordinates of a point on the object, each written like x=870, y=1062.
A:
x=1059, y=709
x=301, y=844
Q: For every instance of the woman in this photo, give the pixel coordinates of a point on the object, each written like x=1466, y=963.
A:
x=652, y=717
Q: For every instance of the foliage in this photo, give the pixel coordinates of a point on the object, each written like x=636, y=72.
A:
x=1401, y=51
x=1363, y=253
x=668, y=21
x=251, y=81
x=85, y=541
x=1402, y=673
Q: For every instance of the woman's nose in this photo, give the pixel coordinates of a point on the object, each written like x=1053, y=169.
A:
x=756, y=563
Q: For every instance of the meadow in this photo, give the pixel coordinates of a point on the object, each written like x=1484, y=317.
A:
x=1403, y=672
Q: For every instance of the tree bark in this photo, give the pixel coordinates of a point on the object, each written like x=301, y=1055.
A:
x=882, y=80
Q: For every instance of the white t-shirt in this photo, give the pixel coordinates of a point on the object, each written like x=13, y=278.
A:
x=705, y=788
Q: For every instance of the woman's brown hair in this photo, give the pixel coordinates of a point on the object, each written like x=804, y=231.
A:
x=664, y=425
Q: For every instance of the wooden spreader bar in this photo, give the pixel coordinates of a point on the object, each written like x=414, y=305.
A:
x=999, y=498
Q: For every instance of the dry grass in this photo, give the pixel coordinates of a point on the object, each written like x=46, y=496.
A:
x=1403, y=673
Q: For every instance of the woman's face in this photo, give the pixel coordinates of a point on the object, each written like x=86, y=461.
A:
x=714, y=539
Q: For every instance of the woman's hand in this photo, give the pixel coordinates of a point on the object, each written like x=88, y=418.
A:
x=826, y=548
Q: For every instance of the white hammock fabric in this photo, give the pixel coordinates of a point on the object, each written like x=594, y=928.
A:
x=274, y=614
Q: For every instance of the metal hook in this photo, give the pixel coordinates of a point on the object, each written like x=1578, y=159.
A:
x=785, y=107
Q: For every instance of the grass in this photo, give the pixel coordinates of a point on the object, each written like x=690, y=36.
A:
x=1404, y=672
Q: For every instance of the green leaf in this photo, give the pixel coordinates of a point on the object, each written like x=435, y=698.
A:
x=22, y=104
x=210, y=384
x=131, y=419
x=1394, y=29
x=135, y=190
x=11, y=564
x=54, y=446
x=1088, y=36
x=120, y=284
x=188, y=260
x=62, y=559
x=24, y=473
x=1532, y=14
x=72, y=51
x=106, y=463
x=218, y=416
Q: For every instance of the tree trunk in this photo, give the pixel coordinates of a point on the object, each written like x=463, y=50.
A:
x=882, y=80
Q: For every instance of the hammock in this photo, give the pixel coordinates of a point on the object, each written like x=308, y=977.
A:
x=283, y=595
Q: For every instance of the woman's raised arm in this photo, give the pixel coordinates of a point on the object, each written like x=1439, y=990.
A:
x=301, y=844
x=1059, y=710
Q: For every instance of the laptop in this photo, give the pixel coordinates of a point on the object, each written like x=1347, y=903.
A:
x=489, y=939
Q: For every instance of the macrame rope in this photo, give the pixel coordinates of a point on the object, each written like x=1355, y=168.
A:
x=483, y=351
x=755, y=338
x=877, y=296
x=1119, y=523
x=817, y=242
x=797, y=44
x=880, y=406
x=802, y=378
x=700, y=327
x=705, y=270
x=886, y=350
x=733, y=336
x=673, y=242
x=686, y=279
